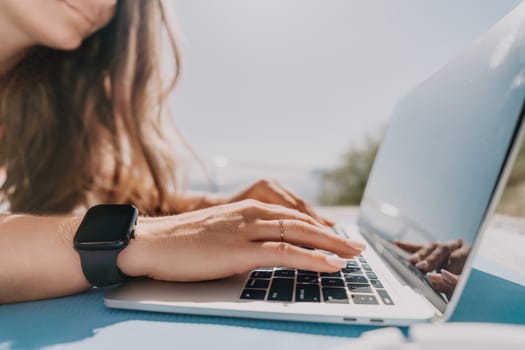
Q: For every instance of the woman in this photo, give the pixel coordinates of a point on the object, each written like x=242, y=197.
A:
x=80, y=115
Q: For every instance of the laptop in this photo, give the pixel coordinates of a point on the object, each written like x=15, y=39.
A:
x=437, y=177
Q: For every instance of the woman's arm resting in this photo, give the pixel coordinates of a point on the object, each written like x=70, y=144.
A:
x=37, y=258
x=229, y=239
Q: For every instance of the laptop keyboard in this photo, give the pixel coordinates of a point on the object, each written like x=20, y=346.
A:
x=354, y=284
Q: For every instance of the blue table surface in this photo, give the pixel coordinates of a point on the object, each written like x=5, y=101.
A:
x=82, y=321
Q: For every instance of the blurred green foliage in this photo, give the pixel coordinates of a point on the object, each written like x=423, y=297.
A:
x=513, y=198
x=517, y=176
x=345, y=184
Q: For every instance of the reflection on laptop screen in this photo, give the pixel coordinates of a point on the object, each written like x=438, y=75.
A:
x=448, y=140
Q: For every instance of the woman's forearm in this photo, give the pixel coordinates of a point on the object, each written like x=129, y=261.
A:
x=193, y=200
x=37, y=258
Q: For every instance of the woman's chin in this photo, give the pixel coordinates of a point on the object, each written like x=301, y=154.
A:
x=65, y=41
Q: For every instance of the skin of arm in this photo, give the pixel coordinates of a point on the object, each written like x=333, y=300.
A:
x=38, y=260
x=194, y=200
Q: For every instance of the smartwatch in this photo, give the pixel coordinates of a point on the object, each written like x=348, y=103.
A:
x=104, y=231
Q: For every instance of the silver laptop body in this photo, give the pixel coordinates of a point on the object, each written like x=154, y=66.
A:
x=438, y=175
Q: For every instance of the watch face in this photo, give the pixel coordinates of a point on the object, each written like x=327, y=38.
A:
x=106, y=224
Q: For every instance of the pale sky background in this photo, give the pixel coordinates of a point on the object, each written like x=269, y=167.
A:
x=297, y=82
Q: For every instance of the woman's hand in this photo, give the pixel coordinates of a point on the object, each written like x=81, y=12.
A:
x=272, y=192
x=230, y=239
x=447, y=259
x=444, y=282
x=433, y=257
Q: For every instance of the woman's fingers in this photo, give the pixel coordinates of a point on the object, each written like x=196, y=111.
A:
x=444, y=282
x=450, y=277
x=304, y=207
x=285, y=254
x=439, y=283
x=435, y=260
x=434, y=256
x=273, y=192
x=422, y=253
x=265, y=211
x=303, y=234
x=408, y=247
x=455, y=244
x=287, y=199
x=457, y=259
x=439, y=257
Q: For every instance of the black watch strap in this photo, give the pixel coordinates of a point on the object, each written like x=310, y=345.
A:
x=105, y=230
x=100, y=267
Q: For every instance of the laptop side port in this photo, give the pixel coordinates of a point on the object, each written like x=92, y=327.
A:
x=349, y=319
x=376, y=320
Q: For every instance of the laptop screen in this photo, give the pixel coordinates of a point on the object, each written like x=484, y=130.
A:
x=443, y=154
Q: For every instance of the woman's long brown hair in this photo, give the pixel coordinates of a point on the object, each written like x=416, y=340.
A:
x=84, y=126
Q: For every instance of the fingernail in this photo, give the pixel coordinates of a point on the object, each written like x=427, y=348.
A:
x=434, y=276
x=414, y=256
x=448, y=277
x=335, y=261
x=356, y=245
x=423, y=264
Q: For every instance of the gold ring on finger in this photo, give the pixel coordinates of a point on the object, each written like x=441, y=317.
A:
x=281, y=229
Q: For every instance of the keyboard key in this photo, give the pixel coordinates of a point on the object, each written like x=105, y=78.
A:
x=332, y=282
x=356, y=279
x=359, y=288
x=376, y=284
x=281, y=289
x=335, y=295
x=331, y=274
x=362, y=260
x=284, y=273
x=306, y=272
x=371, y=275
x=253, y=294
x=307, y=293
x=257, y=284
x=366, y=267
x=351, y=263
x=385, y=297
x=261, y=274
x=352, y=270
x=307, y=279
x=364, y=299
